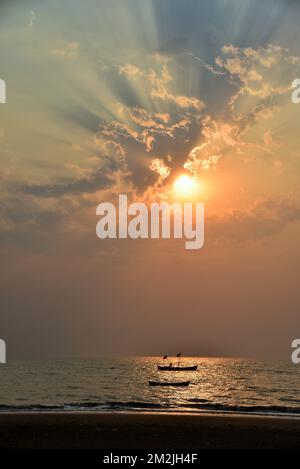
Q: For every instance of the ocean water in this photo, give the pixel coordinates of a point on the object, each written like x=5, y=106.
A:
x=219, y=385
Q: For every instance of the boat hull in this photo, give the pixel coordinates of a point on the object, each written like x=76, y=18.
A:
x=177, y=368
x=182, y=384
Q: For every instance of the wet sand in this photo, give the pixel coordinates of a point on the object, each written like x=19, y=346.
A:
x=146, y=431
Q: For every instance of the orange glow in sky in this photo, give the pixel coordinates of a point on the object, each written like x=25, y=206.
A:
x=186, y=186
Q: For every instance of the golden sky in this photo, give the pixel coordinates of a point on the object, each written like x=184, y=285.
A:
x=127, y=96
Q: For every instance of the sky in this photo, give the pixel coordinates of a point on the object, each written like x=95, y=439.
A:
x=123, y=97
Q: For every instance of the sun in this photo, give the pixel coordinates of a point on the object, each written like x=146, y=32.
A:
x=186, y=186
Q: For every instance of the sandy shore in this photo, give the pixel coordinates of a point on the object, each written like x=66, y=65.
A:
x=146, y=431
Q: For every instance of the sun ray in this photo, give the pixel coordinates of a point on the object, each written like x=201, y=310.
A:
x=186, y=187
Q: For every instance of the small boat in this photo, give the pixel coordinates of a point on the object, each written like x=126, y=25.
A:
x=177, y=368
x=180, y=384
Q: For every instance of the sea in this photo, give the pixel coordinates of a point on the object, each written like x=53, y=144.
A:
x=220, y=385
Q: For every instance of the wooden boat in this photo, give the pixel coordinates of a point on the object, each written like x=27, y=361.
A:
x=180, y=384
x=177, y=368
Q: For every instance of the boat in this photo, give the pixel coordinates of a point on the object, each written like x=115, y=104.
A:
x=177, y=368
x=178, y=384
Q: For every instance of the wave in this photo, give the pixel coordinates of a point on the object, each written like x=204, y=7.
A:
x=202, y=407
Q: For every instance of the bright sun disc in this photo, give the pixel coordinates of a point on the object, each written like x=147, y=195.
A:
x=186, y=186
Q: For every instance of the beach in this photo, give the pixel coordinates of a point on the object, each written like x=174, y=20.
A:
x=120, y=430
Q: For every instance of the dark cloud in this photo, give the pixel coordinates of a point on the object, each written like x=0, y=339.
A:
x=99, y=180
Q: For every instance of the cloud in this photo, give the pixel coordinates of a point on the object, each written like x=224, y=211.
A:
x=257, y=72
x=160, y=167
x=148, y=119
x=196, y=141
x=217, y=138
x=69, y=50
x=138, y=143
x=161, y=90
x=99, y=180
x=160, y=82
x=198, y=162
x=141, y=127
x=255, y=115
x=130, y=71
x=105, y=173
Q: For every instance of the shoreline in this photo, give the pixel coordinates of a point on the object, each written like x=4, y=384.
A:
x=133, y=411
x=123, y=430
